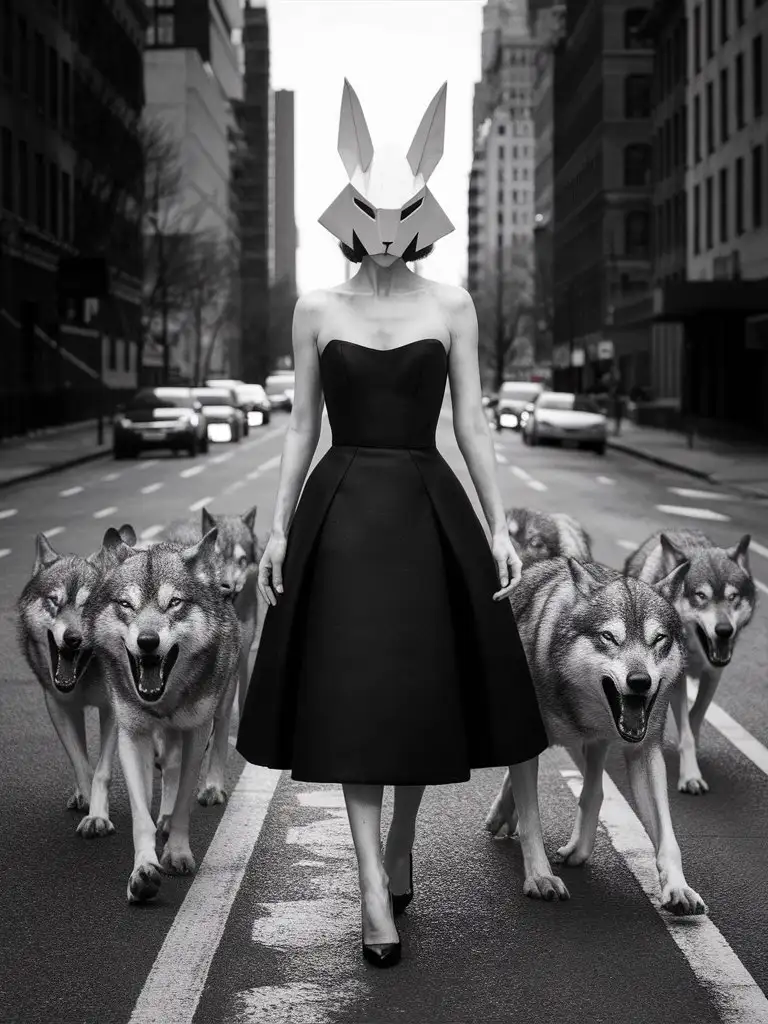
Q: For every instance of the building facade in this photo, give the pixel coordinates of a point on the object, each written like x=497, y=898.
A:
x=283, y=295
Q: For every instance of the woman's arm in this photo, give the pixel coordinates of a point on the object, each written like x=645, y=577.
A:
x=306, y=415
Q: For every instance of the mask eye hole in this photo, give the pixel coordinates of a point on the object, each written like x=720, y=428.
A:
x=366, y=209
x=411, y=209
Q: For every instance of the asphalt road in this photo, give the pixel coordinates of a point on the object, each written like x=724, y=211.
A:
x=269, y=929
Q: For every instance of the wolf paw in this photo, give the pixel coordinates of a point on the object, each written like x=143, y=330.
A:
x=682, y=901
x=696, y=786
x=144, y=883
x=178, y=860
x=78, y=802
x=545, y=887
x=93, y=827
x=573, y=856
x=212, y=795
x=501, y=822
x=164, y=824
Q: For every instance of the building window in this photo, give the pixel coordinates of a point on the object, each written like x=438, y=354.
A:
x=740, y=196
x=166, y=29
x=40, y=192
x=740, y=91
x=724, y=120
x=6, y=168
x=53, y=86
x=697, y=129
x=634, y=39
x=709, y=205
x=739, y=12
x=710, y=118
x=709, y=21
x=637, y=230
x=757, y=76
x=696, y=220
x=724, y=9
x=23, y=56
x=6, y=37
x=66, y=207
x=53, y=193
x=637, y=96
x=66, y=94
x=758, y=186
x=501, y=152
x=39, y=72
x=637, y=164
x=23, y=171
x=696, y=40
x=724, y=204
x=502, y=129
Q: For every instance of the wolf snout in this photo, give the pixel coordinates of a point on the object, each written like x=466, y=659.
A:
x=639, y=682
x=148, y=641
x=724, y=630
x=72, y=639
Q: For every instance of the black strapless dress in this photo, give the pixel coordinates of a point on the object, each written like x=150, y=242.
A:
x=386, y=660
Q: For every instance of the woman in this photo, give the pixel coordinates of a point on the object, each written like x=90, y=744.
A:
x=383, y=659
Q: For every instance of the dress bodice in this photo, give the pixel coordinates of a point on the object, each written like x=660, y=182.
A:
x=384, y=398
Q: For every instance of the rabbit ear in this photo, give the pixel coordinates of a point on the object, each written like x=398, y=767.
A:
x=427, y=147
x=355, y=146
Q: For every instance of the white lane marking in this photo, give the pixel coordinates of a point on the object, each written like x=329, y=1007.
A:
x=536, y=485
x=761, y=586
x=500, y=457
x=736, y=734
x=4, y=552
x=150, y=532
x=70, y=491
x=146, y=465
x=628, y=545
x=111, y=476
x=53, y=532
x=520, y=473
x=173, y=987
x=192, y=471
x=693, y=513
x=197, y=505
x=605, y=480
x=224, y=457
x=234, y=487
x=736, y=994
x=689, y=492
x=104, y=512
x=758, y=548
x=272, y=463
x=6, y=513
x=151, y=488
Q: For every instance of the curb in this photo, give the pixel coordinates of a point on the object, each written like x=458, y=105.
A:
x=711, y=478
x=50, y=470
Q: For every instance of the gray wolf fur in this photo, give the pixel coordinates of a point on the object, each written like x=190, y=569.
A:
x=56, y=643
x=605, y=652
x=541, y=535
x=239, y=549
x=168, y=641
x=716, y=603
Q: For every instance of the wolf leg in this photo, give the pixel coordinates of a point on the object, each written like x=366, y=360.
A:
x=137, y=760
x=582, y=842
x=69, y=723
x=97, y=822
x=648, y=781
x=540, y=881
x=170, y=768
x=213, y=791
x=177, y=856
x=502, y=817
x=708, y=683
x=690, y=780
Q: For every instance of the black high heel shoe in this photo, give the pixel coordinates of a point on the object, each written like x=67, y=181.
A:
x=388, y=954
x=401, y=900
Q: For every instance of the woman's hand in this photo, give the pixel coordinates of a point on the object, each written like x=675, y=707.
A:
x=271, y=568
x=508, y=563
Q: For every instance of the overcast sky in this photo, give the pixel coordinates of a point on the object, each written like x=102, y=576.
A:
x=396, y=54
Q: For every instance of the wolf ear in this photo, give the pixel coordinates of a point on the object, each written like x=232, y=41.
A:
x=250, y=517
x=208, y=521
x=44, y=553
x=669, y=587
x=128, y=535
x=739, y=554
x=355, y=146
x=115, y=547
x=670, y=553
x=583, y=580
x=427, y=147
x=204, y=549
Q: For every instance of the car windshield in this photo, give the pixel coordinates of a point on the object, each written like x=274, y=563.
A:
x=559, y=400
x=213, y=397
x=280, y=383
x=161, y=398
x=520, y=392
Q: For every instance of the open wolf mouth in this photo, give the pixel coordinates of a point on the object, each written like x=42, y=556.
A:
x=150, y=673
x=67, y=667
x=719, y=652
x=630, y=711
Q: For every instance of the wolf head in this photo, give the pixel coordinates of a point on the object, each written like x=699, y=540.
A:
x=236, y=545
x=538, y=536
x=387, y=208
x=157, y=613
x=718, y=598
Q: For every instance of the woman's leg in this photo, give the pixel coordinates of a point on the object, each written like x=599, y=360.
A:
x=364, y=812
x=402, y=831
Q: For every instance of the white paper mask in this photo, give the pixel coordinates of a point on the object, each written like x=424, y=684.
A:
x=387, y=208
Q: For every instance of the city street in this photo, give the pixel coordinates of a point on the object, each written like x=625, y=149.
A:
x=269, y=930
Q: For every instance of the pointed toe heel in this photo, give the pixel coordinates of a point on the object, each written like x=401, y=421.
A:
x=386, y=956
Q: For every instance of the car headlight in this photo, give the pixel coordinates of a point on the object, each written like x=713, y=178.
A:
x=124, y=423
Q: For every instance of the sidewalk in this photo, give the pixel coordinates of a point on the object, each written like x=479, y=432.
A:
x=741, y=467
x=46, y=451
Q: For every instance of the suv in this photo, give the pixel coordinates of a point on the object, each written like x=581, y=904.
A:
x=160, y=418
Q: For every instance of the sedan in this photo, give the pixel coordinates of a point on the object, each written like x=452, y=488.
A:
x=251, y=398
x=279, y=388
x=226, y=422
x=567, y=418
x=160, y=418
x=513, y=398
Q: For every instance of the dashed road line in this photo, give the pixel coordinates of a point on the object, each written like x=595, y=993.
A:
x=70, y=492
x=272, y=463
x=53, y=532
x=150, y=532
x=536, y=485
x=104, y=512
x=197, y=505
x=236, y=486
x=628, y=545
x=192, y=471
x=605, y=480
x=758, y=549
x=693, y=513
x=500, y=457
x=6, y=513
x=4, y=552
x=527, y=479
x=761, y=586
x=736, y=734
x=111, y=476
x=151, y=488
x=735, y=993
x=690, y=492
x=148, y=464
x=224, y=457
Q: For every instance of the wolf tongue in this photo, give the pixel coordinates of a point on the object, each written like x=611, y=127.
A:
x=66, y=669
x=150, y=677
x=633, y=713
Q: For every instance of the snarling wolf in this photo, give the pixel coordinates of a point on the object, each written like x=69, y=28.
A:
x=239, y=549
x=541, y=535
x=56, y=643
x=168, y=640
x=605, y=652
x=715, y=604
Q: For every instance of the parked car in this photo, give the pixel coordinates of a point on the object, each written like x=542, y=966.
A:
x=251, y=398
x=226, y=421
x=566, y=417
x=160, y=418
x=513, y=398
x=279, y=388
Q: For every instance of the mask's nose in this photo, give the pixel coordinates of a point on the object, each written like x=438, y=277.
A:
x=387, y=221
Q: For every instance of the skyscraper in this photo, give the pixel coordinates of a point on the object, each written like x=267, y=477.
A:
x=284, y=225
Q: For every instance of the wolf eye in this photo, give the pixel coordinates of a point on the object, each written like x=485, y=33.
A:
x=410, y=209
x=175, y=602
x=609, y=637
x=733, y=597
x=661, y=637
x=125, y=604
x=701, y=596
x=364, y=208
x=52, y=600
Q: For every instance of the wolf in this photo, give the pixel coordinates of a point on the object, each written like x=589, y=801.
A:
x=239, y=549
x=168, y=641
x=541, y=535
x=56, y=644
x=716, y=603
x=605, y=652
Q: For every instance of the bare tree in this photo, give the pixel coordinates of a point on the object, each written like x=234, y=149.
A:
x=505, y=306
